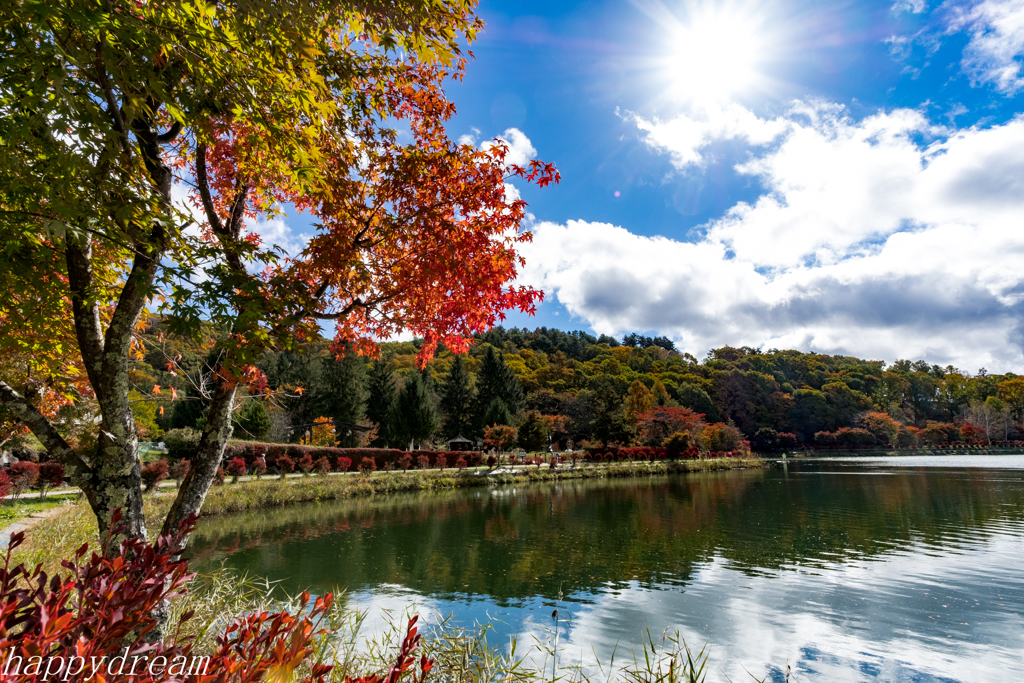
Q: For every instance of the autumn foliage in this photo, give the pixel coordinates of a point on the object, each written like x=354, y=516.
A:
x=75, y=626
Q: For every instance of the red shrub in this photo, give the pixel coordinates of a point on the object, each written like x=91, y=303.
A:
x=154, y=473
x=367, y=465
x=259, y=467
x=405, y=462
x=322, y=466
x=51, y=475
x=5, y=484
x=285, y=465
x=24, y=475
x=236, y=468
x=440, y=462
x=179, y=470
x=491, y=461
x=305, y=463
x=103, y=610
x=344, y=463
x=461, y=463
x=423, y=462
x=218, y=478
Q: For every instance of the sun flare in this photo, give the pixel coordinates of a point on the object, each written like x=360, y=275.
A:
x=714, y=54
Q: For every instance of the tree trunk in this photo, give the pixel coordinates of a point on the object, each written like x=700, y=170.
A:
x=203, y=467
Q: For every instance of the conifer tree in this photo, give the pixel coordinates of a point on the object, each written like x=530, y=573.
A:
x=532, y=433
x=253, y=422
x=499, y=394
x=340, y=393
x=417, y=417
x=457, y=401
x=382, y=404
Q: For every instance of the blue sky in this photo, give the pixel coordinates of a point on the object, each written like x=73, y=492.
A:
x=840, y=177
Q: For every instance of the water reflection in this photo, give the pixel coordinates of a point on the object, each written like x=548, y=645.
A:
x=863, y=571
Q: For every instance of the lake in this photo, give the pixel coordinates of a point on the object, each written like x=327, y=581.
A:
x=873, y=569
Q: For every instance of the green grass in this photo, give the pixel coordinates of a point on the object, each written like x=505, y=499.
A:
x=12, y=510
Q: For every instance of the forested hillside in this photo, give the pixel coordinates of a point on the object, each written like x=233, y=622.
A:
x=571, y=389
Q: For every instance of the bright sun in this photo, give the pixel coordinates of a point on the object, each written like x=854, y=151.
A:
x=714, y=54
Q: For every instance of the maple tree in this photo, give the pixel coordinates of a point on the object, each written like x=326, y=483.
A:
x=114, y=112
x=660, y=422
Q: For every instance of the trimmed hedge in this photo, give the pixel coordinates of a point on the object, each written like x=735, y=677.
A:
x=635, y=453
x=383, y=458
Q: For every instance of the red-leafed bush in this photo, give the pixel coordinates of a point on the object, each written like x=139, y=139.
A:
x=367, y=466
x=491, y=461
x=405, y=462
x=322, y=466
x=93, y=623
x=285, y=465
x=5, y=484
x=259, y=467
x=305, y=463
x=154, y=473
x=461, y=463
x=236, y=468
x=440, y=461
x=218, y=478
x=344, y=464
x=423, y=462
x=274, y=451
x=179, y=470
x=51, y=476
x=24, y=475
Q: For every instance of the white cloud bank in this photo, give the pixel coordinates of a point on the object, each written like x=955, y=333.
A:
x=886, y=237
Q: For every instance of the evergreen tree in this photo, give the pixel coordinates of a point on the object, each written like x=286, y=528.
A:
x=497, y=413
x=497, y=383
x=252, y=422
x=532, y=433
x=382, y=404
x=417, y=417
x=340, y=394
x=457, y=401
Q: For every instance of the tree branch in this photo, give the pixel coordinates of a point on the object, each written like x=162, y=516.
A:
x=78, y=470
x=113, y=109
x=85, y=310
x=171, y=133
x=204, y=189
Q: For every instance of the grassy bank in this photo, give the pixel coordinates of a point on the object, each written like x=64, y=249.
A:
x=74, y=524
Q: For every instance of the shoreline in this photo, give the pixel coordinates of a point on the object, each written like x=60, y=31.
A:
x=74, y=523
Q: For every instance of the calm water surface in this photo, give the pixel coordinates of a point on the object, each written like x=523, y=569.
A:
x=875, y=569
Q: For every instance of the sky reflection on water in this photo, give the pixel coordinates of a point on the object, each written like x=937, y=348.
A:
x=910, y=577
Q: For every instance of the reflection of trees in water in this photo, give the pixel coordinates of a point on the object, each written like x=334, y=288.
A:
x=519, y=542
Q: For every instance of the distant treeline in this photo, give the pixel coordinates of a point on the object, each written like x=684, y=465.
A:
x=574, y=388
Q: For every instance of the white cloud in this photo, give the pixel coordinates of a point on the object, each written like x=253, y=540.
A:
x=996, y=29
x=520, y=150
x=276, y=232
x=470, y=138
x=684, y=137
x=874, y=238
x=913, y=6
